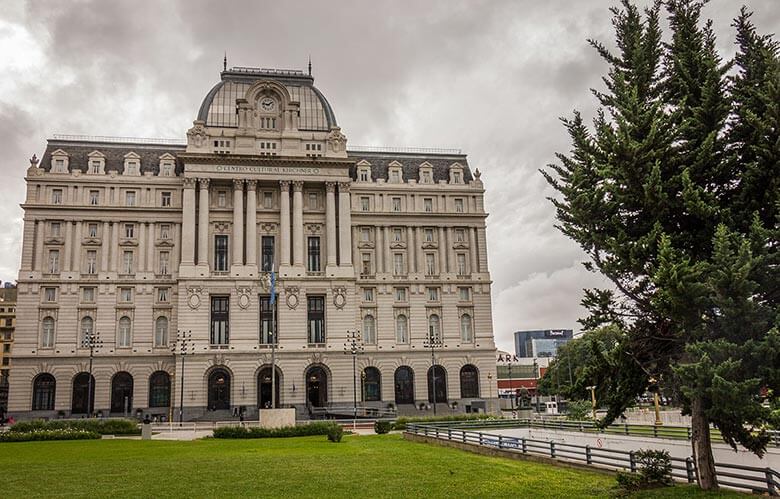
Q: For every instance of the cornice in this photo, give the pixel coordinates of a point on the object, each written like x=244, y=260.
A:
x=255, y=160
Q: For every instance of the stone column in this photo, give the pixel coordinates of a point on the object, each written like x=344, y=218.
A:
x=386, y=231
x=203, y=222
x=40, y=234
x=411, y=255
x=418, y=242
x=114, y=247
x=442, y=251
x=141, y=247
x=297, y=224
x=380, y=254
x=284, y=222
x=150, y=240
x=330, y=222
x=473, y=249
x=251, y=222
x=77, y=248
x=105, y=238
x=345, y=225
x=188, y=223
x=65, y=261
x=452, y=263
x=238, y=221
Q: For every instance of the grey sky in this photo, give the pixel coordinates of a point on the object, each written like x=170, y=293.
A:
x=489, y=77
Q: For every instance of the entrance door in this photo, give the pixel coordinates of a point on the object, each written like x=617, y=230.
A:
x=83, y=402
x=317, y=387
x=264, y=388
x=122, y=393
x=219, y=390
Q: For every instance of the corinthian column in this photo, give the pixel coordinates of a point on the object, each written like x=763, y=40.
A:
x=188, y=223
x=297, y=224
x=203, y=222
x=251, y=222
x=284, y=222
x=238, y=221
x=330, y=222
x=345, y=225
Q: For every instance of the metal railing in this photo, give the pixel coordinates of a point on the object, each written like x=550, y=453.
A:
x=122, y=140
x=750, y=478
x=408, y=150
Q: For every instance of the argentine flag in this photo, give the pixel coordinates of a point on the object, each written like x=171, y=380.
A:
x=273, y=286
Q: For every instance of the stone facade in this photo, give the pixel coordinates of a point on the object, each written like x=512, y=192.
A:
x=139, y=243
x=7, y=326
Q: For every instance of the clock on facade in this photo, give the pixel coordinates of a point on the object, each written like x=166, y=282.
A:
x=267, y=104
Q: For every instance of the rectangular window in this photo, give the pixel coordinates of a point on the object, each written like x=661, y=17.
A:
x=432, y=293
x=428, y=233
x=314, y=201
x=126, y=295
x=165, y=257
x=267, y=244
x=395, y=177
x=220, y=317
x=94, y=167
x=220, y=253
x=365, y=203
x=462, y=270
x=129, y=231
x=56, y=196
x=127, y=262
x=56, y=229
x=92, y=230
x=50, y=295
x=221, y=199
x=165, y=231
x=91, y=262
x=456, y=177
x=163, y=295
x=268, y=329
x=398, y=235
x=130, y=198
x=460, y=235
x=398, y=264
x=430, y=264
x=165, y=199
x=458, y=205
x=464, y=294
x=54, y=261
x=396, y=204
x=364, y=175
x=366, y=267
x=368, y=294
x=365, y=234
x=400, y=294
x=268, y=200
x=94, y=198
x=88, y=295
x=428, y=205
x=315, y=309
x=314, y=254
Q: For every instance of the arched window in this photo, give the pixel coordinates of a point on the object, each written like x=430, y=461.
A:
x=372, y=380
x=469, y=382
x=466, y=332
x=87, y=325
x=401, y=329
x=122, y=393
x=160, y=389
x=124, y=331
x=47, y=332
x=404, y=385
x=44, y=388
x=434, y=328
x=161, y=332
x=369, y=330
x=264, y=380
x=219, y=389
x=83, y=396
x=437, y=384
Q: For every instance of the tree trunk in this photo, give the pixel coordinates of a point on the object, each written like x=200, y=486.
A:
x=702, y=446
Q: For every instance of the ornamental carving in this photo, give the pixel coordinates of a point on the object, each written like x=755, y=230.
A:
x=343, y=187
x=221, y=227
x=251, y=185
x=284, y=185
x=297, y=185
x=337, y=140
x=316, y=358
x=204, y=183
x=197, y=134
x=330, y=186
x=244, y=299
x=189, y=182
x=193, y=296
x=339, y=297
x=430, y=245
x=238, y=184
x=291, y=299
x=314, y=228
x=398, y=245
x=268, y=228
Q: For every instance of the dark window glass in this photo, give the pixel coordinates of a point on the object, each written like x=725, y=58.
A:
x=160, y=389
x=404, y=385
x=266, y=321
x=469, y=382
x=219, y=390
x=314, y=254
x=268, y=253
x=122, y=393
x=372, y=384
x=437, y=376
x=220, y=315
x=43, y=392
x=316, y=317
x=221, y=253
x=83, y=397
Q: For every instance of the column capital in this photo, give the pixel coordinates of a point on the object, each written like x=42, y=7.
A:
x=297, y=185
x=251, y=185
x=238, y=184
x=203, y=183
x=284, y=185
x=189, y=183
x=344, y=186
x=330, y=186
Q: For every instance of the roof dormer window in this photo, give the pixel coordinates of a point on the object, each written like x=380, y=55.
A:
x=96, y=163
x=59, y=161
x=456, y=174
x=426, y=173
x=167, y=165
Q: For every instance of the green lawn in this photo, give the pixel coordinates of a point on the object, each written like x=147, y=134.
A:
x=360, y=466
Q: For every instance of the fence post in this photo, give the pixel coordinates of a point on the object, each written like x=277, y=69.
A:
x=689, y=469
x=632, y=461
x=688, y=432
x=463, y=433
x=560, y=424
x=588, y=455
x=480, y=438
x=449, y=433
x=655, y=431
x=770, y=482
x=437, y=433
x=626, y=424
x=581, y=428
x=525, y=448
x=552, y=449
x=500, y=437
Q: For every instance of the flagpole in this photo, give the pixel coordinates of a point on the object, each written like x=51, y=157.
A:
x=273, y=338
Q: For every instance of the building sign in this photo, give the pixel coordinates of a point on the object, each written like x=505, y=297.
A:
x=557, y=333
x=506, y=357
x=273, y=170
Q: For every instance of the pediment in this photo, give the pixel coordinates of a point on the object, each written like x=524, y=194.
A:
x=395, y=163
x=96, y=154
x=363, y=162
x=132, y=155
x=167, y=156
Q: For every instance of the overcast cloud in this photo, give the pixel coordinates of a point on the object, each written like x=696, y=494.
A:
x=490, y=77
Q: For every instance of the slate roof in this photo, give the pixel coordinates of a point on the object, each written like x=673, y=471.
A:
x=411, y=162
x=78, y=158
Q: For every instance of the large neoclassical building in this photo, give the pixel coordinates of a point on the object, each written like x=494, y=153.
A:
x=140, y=242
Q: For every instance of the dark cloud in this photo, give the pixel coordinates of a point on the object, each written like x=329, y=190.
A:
x=489, y=76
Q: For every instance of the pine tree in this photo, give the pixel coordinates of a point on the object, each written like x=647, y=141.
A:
x=663, y=195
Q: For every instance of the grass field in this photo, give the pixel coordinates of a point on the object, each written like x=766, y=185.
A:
x=360, y=466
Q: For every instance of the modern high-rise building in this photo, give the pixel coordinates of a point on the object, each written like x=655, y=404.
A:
x=541, y=342
x=157, y=254
x=7, y=325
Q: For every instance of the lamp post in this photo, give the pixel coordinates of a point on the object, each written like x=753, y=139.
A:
x=511, y=389
x=536, y=384
x=354, y=346
x=653, y=387
x=185, y=347
x=432, y=341
x=592, y=389
x=93, y=342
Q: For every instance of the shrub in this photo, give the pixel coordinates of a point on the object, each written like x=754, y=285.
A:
x=99, y=426
x=335, y=432
x=400, y=423
x=382, y=426
x=654, y=470
x=287, y=431
x=60, y=434
x=629, y=482
x=578, y=410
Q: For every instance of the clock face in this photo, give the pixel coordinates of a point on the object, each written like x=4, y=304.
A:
x=267, y=104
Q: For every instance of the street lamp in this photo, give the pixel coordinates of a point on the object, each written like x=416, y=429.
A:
x=654, y=388
x=93, y=342
x=536, y=384
x=432, y=341
x=184, y=346
x=354, y=346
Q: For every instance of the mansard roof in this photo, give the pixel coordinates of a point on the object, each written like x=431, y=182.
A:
x=115, y=153
x=411, y=161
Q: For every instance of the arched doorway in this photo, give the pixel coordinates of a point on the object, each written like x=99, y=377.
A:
x=469, y=382
x=160, y=389
x=122, y=393
x=219, y=389
x=83, y=400
x=44, y=389
x=404, y=385
x=317, y=386
x=264, y=387
x=438, y=376
x=372, y=380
